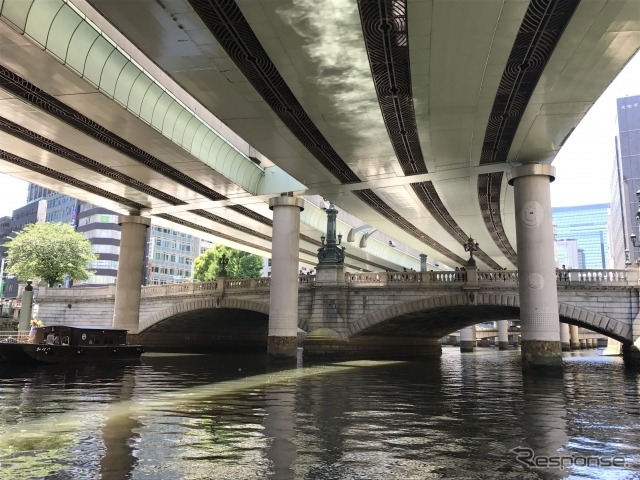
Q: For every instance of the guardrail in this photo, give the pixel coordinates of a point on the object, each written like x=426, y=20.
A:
x=15, y=336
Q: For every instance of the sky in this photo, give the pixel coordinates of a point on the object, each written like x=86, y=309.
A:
x=583, y=166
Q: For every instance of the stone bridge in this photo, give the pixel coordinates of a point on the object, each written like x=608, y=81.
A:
x=409, y=310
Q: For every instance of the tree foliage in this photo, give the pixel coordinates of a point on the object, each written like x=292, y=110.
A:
x=49, y=251
x=241, y=264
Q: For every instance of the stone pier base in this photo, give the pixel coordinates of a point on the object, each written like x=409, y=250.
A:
x=541, y=354
x=467, y=346
x=503, y=345
x=566, y=347
x=631, y=356
x=575, y=345
x=583, y=344
x=282, y=347
x=369, y=348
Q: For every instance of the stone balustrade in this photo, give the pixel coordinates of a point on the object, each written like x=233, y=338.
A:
x=75, y=292
x=430, y=278
x=240, y=285
x=592, y=277
x=606, y=277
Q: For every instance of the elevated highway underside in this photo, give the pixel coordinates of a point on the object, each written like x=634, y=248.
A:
x=404, y=113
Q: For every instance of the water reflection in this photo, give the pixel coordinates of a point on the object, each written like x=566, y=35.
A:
x=119, y=435
x=543, y=421
x=279, y=428
x=234, y=417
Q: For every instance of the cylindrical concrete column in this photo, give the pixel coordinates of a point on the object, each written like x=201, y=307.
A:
x=565, y=337
x=539, y=317
x=591, y=343
x=583, y=343
x=468, y=339
x=503, y=334
x=285, y=257
x=26, y=308
x=575, y=337
x=126, y=312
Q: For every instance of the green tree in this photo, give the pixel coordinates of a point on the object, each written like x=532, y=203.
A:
x=49, y=251
x=241, y=264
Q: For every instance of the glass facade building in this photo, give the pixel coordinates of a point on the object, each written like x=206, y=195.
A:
x=588, y=226
x=625, y=184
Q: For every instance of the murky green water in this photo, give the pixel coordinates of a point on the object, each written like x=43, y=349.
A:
x=230, y=417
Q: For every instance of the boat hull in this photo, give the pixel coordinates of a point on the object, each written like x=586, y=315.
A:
x=38, y=354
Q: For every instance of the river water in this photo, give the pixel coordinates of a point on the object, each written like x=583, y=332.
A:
x=234, y=417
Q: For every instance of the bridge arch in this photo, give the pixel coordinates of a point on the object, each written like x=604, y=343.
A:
x=447, y=313
x=202, y=304
x=596, y=322
x=206, y=304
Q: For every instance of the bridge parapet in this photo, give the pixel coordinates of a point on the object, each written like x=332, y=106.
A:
x=450, y=278
x=179, y=289
x=592, y=277
x=236, y=285
x=620, y=277
x=76, y=292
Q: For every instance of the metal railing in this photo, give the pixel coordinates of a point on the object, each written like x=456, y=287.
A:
x=15, y=336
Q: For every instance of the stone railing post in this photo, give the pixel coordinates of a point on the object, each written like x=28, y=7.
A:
x=472, y=276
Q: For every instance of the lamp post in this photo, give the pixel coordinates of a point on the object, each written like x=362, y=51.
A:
x=330, y=253
x=471, y=246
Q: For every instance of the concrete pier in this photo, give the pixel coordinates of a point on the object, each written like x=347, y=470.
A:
x=26, y=308
x=468, y=339
x=503, y=334
x=539, y=316
x=126, y=311
x=565, y=337
x=283, y=300
x=575, y=337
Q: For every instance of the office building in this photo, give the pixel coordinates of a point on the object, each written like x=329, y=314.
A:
x=588, y=226
x=61, y=208
x=625, y=184
x=101, y=227
x=36, y=192
x=170, y=255
x=568, y=255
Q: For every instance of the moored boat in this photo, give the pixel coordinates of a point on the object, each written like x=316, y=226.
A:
x=64, y=344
